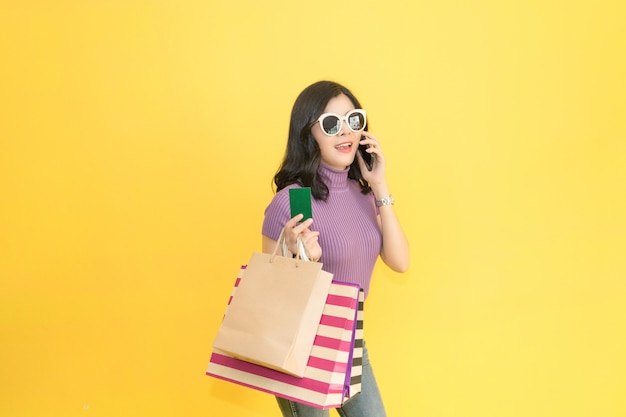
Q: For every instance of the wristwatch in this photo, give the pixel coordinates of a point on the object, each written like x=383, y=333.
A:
x=385, y=201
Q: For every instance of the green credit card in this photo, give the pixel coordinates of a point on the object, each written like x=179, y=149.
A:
x=300, y=202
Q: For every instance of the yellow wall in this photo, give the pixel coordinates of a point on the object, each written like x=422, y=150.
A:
x=137, y=144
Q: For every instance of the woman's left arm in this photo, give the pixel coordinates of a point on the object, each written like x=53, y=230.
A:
x=395, y=250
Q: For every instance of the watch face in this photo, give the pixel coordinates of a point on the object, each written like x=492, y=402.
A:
x=384, y=201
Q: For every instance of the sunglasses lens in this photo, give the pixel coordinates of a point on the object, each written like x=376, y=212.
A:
x=356, y=121
x=331, y=124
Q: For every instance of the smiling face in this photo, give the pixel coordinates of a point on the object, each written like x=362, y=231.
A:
x=338, y=151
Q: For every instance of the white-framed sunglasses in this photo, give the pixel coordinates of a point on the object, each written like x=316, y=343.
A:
x=331, y=122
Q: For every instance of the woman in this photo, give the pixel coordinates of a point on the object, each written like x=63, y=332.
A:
x=353, y=217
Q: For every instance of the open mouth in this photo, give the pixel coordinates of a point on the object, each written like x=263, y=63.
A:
x=346, y=146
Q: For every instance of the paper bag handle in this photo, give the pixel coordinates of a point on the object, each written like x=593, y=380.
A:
x=282, y=243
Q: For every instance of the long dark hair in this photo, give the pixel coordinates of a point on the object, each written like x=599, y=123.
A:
x=302, y=157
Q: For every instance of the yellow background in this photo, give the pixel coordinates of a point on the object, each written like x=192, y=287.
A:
x=138, y=140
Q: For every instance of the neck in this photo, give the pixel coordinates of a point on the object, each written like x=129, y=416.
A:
x=334, y=178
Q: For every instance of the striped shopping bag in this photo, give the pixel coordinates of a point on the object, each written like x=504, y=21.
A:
x=333, y=372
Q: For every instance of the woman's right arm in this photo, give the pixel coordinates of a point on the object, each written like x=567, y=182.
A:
x=269, y=244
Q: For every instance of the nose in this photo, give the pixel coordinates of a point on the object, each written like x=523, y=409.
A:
x=344, y=127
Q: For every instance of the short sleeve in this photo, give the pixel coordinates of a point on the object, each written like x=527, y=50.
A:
x=277, y=214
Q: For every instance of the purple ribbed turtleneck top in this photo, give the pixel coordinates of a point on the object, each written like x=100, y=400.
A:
x=349, y=234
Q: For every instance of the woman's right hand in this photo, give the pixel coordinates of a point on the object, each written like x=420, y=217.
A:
x=293, y=229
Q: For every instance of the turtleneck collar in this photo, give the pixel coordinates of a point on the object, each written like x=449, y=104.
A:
x=335, y=179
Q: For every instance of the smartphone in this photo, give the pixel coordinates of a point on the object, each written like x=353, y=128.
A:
x=300, y=202
x=367, y=157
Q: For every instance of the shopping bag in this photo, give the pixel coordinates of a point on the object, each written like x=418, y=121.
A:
x=333, y=372
x=273, y=320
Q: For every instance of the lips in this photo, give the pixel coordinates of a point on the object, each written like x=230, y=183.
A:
x=345, y=147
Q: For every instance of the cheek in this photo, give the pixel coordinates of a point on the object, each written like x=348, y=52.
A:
x=325, y=149
x=321, y=140
x=317, y=134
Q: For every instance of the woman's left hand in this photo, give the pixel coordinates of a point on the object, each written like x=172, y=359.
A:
x=377, y=174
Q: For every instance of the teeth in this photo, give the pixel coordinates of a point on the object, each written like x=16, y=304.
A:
x=344, y=145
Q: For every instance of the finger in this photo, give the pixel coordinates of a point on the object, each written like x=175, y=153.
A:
x=368, y=135
x=311, y=240
x=302, y=226
x=293, y=221
x=305, y=224
x=308, y=234
x=372, y=144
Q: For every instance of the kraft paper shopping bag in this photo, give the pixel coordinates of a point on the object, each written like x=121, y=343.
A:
x=273, y=320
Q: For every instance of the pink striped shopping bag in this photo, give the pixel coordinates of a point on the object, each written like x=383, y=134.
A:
x=333, y=372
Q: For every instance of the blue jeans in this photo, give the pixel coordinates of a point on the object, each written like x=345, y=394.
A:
x=367, y=404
